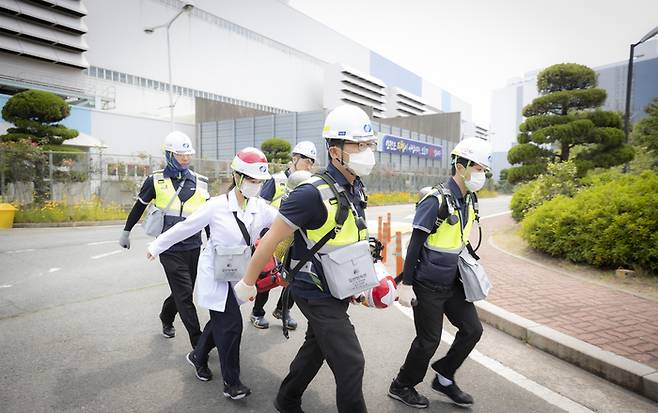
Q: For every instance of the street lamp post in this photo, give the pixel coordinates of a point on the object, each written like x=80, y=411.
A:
x=148, y=30
x=629, y=80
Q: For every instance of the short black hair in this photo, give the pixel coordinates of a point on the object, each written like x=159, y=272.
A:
x=458, y=160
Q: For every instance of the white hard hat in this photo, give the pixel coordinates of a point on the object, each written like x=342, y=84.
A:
x=476, y=150
x=307, y=149
x=349, y=123
x=178, y=143
x=251, y=162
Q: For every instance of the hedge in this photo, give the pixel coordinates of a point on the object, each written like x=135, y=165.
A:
x=610, y=224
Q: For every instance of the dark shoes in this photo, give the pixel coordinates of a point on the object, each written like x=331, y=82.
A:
x=292, y=323
x=202, y=371
x=168, y=330
x=259, y=321
x=407, y=395
x=453, y=392
x=236, y=391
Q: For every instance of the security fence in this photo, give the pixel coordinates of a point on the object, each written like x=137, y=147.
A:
x=34, y=176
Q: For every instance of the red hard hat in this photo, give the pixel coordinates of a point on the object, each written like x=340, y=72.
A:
x=382, y=295
x=251, y=162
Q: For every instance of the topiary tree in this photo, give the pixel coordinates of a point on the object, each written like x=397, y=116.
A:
x=645, y=131
x=276, y=150
x=36, y=114
x=564, y=122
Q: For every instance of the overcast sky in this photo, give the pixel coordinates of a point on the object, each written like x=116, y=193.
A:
x=471, y=47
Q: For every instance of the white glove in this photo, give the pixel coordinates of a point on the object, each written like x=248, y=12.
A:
x=243, y=292
x=124, y=239
x=406, y=295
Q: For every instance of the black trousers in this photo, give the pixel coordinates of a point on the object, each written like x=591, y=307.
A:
x=224, y=331
x=428, y=319
x=181, y=267
x=330, y=336
x=261, y=300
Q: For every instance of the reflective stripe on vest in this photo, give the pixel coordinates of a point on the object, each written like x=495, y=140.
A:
x=165, y=191
x=448, y=238
x=348, y=234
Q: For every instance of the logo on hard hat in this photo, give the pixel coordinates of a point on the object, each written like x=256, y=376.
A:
x=367, y=128
x=263, y=168
x=342, y=133
x=186, y=145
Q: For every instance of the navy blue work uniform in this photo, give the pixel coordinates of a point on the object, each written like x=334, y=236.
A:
x=180, y=261
x=330, y=335
x=438, y=291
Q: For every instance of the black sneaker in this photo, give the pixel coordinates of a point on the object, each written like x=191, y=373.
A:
x=202, y=371
x=168, y=330
x=237, y=391
x=259, y=321
x=407, y=395
x=278, y=408
x=453, y=392
x=292, y=323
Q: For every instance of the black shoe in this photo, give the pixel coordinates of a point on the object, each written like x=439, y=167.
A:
x=168, y=330
x=407, y=395
x=453, y=392
x=292, y=323
x=280, y=409
x=237, y=391
x=202, y=372
x=259, y=321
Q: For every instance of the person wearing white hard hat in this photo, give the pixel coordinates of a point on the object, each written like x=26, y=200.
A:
x=326, y=213
x=304, y=155
x=178, y=192
x=441, y=229
x=236, y=219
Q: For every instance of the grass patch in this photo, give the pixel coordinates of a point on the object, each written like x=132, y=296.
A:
x=393, y=198
x=62, y=212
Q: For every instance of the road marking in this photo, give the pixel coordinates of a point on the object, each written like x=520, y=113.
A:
x=511, y=375
x=509, y=211
x=54, y=269
x=107, y=254
x=19, y=251
x=5, y=286
x=100, y=242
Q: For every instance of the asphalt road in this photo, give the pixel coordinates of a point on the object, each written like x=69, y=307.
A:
x=79, y=332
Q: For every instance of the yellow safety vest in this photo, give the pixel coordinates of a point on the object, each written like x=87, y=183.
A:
x=165, y=191
x=280, y=181
x=450, y=239
x=347, y=234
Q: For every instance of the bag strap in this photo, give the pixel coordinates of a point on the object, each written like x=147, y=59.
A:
x=171, y=201
x=243, y=228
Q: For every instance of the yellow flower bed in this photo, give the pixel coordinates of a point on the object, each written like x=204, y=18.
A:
x=63, y=212
x=392, y=198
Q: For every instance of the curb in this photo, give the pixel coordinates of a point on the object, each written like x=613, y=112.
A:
x=66, y=224
x=627, y=373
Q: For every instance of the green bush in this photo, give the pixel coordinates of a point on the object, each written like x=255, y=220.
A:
x=612, y=223
x=560, y=179
x=276, y=150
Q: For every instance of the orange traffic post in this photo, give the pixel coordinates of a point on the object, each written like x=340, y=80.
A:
x=379, y=227
x=388, y=219
x=399, y=261
x=385, y=239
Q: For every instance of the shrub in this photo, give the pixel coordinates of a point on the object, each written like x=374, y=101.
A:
x=560, y=179
x=276, y=150
x=612, y=223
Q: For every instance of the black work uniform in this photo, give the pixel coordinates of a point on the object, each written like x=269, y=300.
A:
x=180, y=261
x=330, y=336
x=438, y=291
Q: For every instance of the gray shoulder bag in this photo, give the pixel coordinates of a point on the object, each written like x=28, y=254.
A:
x=154, y=221
x=474, y=278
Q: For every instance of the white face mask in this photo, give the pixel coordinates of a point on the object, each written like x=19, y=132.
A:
x=476, y=182
x=361, y=163
x=250, y=190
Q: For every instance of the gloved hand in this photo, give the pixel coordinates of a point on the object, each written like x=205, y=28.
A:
x=244, y=292
x=124, y=239
x=406, y=295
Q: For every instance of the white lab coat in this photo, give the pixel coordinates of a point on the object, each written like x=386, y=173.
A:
x=224, y=231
